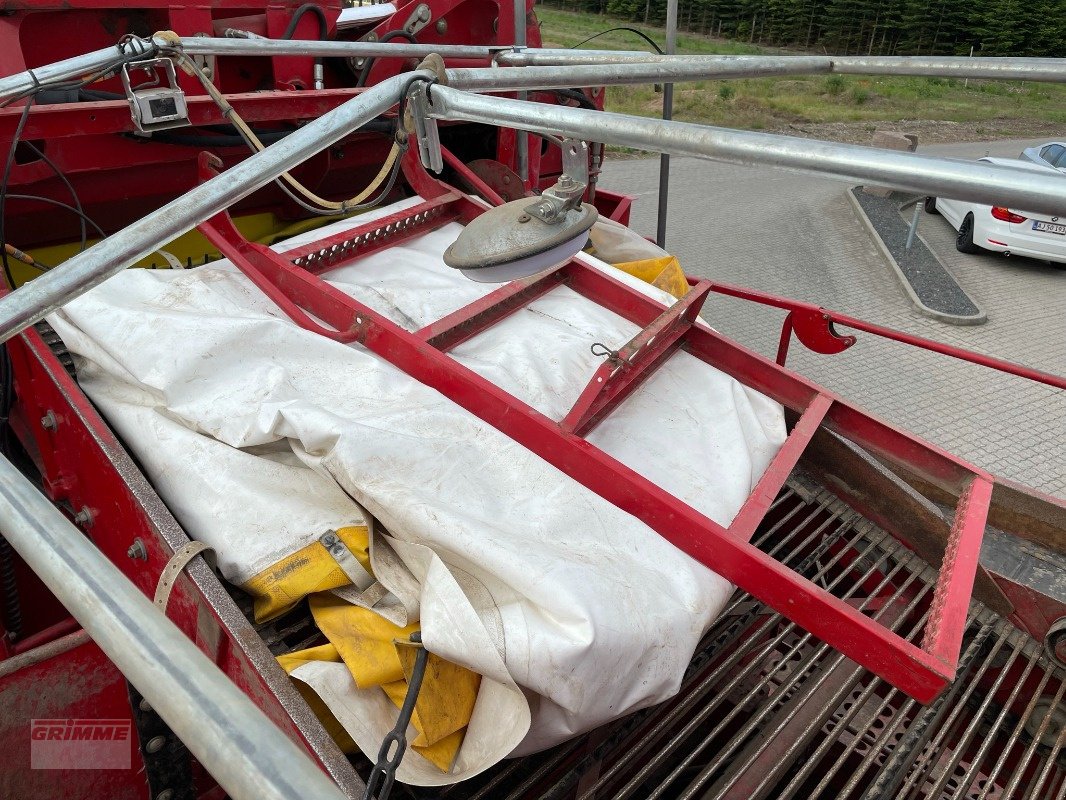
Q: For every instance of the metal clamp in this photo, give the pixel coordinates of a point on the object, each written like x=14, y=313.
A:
x=566, y=193
x=346, y=560
x=425, y=128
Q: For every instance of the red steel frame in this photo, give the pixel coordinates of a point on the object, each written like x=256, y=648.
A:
x=922, y=671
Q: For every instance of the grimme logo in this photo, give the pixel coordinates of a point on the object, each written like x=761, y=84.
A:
x=80, y=743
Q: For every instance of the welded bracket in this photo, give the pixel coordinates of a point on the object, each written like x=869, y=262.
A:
x=626, y=368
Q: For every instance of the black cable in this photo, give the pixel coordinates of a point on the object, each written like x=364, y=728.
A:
x=297, y=15
x=230, y=136
x=203, y=140
x=401, y=104
x=369, y=62
x=61, y=85
x=577, y=96
x=69, y=208
x=3, y=190
x=68, y=184
x=641, y=34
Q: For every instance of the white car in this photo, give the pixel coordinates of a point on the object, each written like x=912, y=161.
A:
x=1052, y=154
x=1005, y=230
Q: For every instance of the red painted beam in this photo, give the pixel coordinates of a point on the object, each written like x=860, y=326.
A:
x=113, y=116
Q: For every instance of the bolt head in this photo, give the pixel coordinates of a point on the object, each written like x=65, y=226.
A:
x=155, y=744
x=1060, y=649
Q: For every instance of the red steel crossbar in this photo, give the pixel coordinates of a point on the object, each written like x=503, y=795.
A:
x=920, y=671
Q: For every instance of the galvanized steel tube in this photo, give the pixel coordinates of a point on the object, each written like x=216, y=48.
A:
x=85, y=270
x=521, y=137
x=72, y=68
x=677, y=70
x=964, y=180
x=1032, y=69
x=1046, y=70
x=236, y=742
x=207, y=46
x=668, y=113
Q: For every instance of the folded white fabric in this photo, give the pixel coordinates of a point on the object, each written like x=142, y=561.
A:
x=259, y=435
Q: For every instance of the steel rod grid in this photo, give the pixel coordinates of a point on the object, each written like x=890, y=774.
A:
x=965, y=747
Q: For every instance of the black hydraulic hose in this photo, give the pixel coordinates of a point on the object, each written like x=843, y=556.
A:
x=207, y=140
x=577, y=96
x=323, y=27
x=323, y=23
x=369, y=62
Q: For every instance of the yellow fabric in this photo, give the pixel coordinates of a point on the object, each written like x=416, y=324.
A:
x=367, y=645
x=308, y=570
x=445, y=701
x=363, y=639
x=326, y=652
x=373, y=649
x=663, y=273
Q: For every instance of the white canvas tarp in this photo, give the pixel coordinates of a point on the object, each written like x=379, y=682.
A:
x=260, y=436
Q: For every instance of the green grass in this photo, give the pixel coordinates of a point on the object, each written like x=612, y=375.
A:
x=780, y=103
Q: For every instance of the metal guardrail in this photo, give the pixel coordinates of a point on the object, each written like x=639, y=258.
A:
x=235, y=741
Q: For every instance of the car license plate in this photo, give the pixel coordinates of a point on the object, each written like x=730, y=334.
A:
x=1049, y=227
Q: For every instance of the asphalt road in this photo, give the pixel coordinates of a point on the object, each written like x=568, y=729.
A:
x=796, y=235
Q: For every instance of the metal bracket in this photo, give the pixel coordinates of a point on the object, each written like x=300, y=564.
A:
x=155, y=106
x=425, y=128
x=567, y=192
x=346, y=560
x=206, y=62
x=420, y=18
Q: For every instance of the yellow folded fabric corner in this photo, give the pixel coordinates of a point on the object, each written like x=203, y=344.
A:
x=310, y=569
x=663, y=273
x=363, y=639
x=442, y=754
x=375, y=652
x=326, y=652
x=372, y=648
